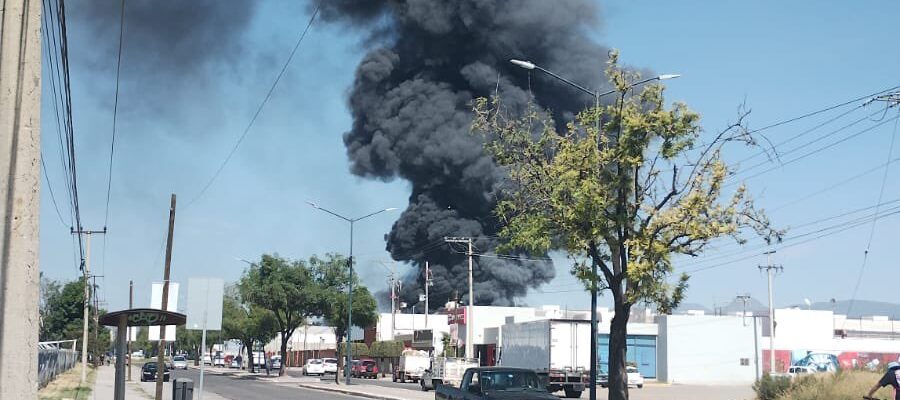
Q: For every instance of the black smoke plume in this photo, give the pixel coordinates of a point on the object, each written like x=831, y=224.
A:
x=174, y=52
x=411, y=105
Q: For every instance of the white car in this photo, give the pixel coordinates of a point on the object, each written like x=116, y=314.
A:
x=634, y=377
x=330, y=365
x=207, y=360
x=179, y=362
x=314, y=366
x=218, y=361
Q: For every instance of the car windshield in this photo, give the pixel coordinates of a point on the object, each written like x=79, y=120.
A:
x=330, y=361
x=368, y=363
x=179, y=358
x=509, y=381
x=316, y=362
x=631, y=370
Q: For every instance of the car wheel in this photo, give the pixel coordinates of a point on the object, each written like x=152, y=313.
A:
x=640, y=386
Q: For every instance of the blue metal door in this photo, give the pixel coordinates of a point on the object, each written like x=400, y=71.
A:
x=641, y=351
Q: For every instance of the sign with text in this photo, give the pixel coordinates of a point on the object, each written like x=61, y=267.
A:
x=204, y=303
x=171, y=305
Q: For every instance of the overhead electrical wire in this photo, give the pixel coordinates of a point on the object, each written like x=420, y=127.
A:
x=865, y=259
x=259, y=109
x=52, y=196
x=112, y=143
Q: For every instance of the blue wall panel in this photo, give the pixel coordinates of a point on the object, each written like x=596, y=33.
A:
x=641, y=350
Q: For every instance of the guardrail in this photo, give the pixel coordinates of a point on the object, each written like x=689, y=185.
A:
x=54, y=360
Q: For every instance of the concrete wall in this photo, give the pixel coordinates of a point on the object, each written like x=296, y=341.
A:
x=706, y=350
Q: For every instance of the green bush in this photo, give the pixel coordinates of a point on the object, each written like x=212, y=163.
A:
x=771, y=387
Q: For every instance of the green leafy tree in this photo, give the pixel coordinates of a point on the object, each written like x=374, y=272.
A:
x=246, y=322
x=287, y=289
x=332, y=276
x=189, y=341
x=62, y=316
x=625, y=200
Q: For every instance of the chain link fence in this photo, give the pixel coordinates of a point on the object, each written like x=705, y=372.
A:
x=54, y=360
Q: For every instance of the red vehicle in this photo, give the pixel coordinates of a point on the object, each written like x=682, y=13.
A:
x=364, y=368
x=228, y=359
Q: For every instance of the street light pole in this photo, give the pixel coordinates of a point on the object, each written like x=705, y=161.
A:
x=352, y=221
x=597, y=95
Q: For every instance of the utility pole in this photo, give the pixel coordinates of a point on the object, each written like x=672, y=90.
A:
x=87, y=295
x=128, y=331
x=96, y=316
x=20, y=191
x=744, y=298
x=470, y=349
x=770, y=270
x=160, y=359
x=428, y=283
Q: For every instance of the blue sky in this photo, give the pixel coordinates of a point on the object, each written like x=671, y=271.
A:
x=781, y=59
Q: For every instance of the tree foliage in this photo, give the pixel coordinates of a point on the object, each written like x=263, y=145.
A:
x=246, y=322
x=62, y=316
x=625, y=198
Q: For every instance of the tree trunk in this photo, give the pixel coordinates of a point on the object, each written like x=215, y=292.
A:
x=250, y=356
x=340, y=358
x=284, y=338
x=618, y=333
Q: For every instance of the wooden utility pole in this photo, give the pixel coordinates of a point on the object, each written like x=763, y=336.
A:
x=161, y=357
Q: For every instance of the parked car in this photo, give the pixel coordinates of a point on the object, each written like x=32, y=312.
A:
x=148, y=372
x=494, y=383
x=275, y=362
x=228, y=359
x=413, y=364
x=235, y=363
x=634, y=377
x=259, y=359
x=218, y=361
x=207, y=360
x=815, y=363
x=314, y=366
x=179, y=362
x=331, y=365
x=365, y=368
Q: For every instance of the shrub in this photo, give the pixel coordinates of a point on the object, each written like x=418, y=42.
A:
x=771, y=387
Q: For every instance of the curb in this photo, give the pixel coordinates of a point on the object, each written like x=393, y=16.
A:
x=349, y=392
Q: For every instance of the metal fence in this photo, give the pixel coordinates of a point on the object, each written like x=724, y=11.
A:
x=54, y=360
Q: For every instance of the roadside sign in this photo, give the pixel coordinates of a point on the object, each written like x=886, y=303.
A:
x=204, y=303
x=171, y=305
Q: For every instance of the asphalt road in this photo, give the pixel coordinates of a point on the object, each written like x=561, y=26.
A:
x=247, y=387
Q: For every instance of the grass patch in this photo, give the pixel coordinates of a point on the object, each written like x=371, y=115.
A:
x=843, y=385
x=68, y=385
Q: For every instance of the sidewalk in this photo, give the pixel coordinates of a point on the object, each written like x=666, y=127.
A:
x=370, y=391
x=104, y=387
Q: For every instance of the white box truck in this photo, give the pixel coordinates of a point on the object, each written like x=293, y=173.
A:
x=413, y=364
x=557, y=349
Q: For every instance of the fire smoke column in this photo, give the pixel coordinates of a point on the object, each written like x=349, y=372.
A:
x=411, y=107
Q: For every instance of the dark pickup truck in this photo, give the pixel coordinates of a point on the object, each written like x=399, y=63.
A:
x=496, y=383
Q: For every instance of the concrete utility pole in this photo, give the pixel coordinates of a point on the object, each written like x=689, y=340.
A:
x=87, y=296
x=427, y=284
x=128, y=330
x=20, y=189
x=744, y=298
x=470, y=349
x=161, y=357
x=770, y=270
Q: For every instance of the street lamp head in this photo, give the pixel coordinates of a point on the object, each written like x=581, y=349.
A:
x=664, y=77
x=523, y=64
x=390, y=209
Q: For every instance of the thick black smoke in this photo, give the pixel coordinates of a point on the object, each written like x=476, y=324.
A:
x=174, y=52
x=411, y=105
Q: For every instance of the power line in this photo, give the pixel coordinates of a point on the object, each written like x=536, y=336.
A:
x=52, y=197
x=819, y=150
x=865, y=259
x=112, y=145
x=258, y=109
x=829, y=108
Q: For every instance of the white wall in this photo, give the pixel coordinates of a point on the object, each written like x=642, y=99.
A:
x=705, y=350
x=306, y=338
